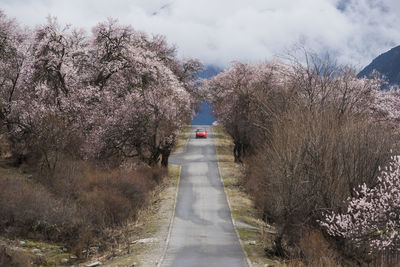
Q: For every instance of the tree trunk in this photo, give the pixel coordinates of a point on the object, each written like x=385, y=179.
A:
x=164, y=157
x=238, y=151
x=279, y=250
x=154, y=158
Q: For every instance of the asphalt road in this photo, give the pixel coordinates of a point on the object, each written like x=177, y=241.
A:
x=202, y=231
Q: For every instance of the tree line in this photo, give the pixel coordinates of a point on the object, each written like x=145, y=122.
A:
x=110, y=95
x=88, y=117
x=315, y=142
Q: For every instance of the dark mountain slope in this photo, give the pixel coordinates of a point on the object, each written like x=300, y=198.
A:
x=204, y=114
x=387, y=64
x=209, y=71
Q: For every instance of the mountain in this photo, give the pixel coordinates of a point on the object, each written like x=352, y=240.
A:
x=204, y=114
x=209, y=71
x=387, y=64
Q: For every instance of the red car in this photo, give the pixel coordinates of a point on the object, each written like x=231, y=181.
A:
x=201, y=133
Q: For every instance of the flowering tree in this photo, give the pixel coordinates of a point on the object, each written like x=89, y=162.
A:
x=247, y=97
x=14, y=43
x=44, y=110
x=322, y=84
x=373, y=215
x=117, y=92
x=237, y=94
x=141, y=83
x=312, y=133
x=387, y=106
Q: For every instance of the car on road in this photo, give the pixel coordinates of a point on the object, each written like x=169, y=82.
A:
x=201, y=133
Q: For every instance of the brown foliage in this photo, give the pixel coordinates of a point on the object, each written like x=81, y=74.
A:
x=317, y=250
x=11, y=258
x=312, y=163
x=76, y=204
x=312, y=135
x=28, y=209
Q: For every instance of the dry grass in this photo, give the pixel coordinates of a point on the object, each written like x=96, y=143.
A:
x=12, y=173
x=22, y=252
x=182, y=140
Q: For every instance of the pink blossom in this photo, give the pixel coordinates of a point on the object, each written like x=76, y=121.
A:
x=373, y=217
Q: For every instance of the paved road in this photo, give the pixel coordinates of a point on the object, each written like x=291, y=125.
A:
x=202, y=231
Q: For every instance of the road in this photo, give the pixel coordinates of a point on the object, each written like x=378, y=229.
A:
x=202, y=232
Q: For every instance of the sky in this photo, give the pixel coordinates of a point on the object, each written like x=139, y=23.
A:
x=221, y=31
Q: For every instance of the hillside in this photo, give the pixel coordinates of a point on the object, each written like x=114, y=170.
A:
x=204, y=113
x=387, y=64
x=209, y=71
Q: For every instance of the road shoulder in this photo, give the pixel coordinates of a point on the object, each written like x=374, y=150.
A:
x=150, y=241
x=251, y=230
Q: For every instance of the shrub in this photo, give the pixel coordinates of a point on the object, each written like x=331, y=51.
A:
x=28, y=208
x=308, y=131
x=10, y=257
x=372, y=216
x=104, y=207
x=312, y=163
x=77, y=204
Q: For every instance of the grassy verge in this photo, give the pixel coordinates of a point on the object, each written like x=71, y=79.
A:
x=180, y=145
x=250, y=228
x=12, y=173
x=26, y=252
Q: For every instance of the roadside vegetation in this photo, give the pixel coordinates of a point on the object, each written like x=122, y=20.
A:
x=313, y=142
x=145, y=239
x=87, y=124
x=182, y=140
x=245, y=215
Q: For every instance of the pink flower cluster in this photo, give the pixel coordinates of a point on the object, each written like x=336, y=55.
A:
x=373, y=215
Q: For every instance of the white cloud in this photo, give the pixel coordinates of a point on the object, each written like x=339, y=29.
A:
x=221, y=31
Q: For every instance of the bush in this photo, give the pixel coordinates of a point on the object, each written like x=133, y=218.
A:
x=308, y=134
x=114, y=196
x=104, y=207
x=317, y=250
x=28, y=209
x=10, y=257
x=311, y=164
x=77, y=204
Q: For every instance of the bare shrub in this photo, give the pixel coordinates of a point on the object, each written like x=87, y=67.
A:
x=79, y=205
x=53, y=138
x=130, y=187
x=11, y=258
x=317, y=250
x=28, y=208
x=105, y=207
x=312, y=162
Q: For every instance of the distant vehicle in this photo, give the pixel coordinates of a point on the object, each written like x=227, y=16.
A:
x=201, y=133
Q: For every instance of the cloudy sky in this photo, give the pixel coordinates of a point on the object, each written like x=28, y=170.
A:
x=220, y=31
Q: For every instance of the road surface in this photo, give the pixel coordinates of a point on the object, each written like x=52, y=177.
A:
x=202, y=232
